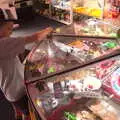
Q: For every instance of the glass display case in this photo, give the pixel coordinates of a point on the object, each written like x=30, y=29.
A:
x=74, y=77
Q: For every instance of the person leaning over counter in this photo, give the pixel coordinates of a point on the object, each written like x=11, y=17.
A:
x=11, y=69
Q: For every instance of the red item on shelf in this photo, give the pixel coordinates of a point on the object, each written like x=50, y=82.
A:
x=115, y=14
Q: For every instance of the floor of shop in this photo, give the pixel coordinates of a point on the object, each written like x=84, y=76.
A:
x=31, y=26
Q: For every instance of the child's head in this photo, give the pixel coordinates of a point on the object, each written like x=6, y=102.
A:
x=6, y=23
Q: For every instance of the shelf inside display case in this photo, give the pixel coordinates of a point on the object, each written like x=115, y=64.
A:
x=60, y=7
x=62, y=21
x=64, y=4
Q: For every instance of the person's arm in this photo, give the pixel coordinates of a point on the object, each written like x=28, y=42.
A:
x=38, y=36
x=11, y=47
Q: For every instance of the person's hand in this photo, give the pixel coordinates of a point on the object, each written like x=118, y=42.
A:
x=43, y=34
